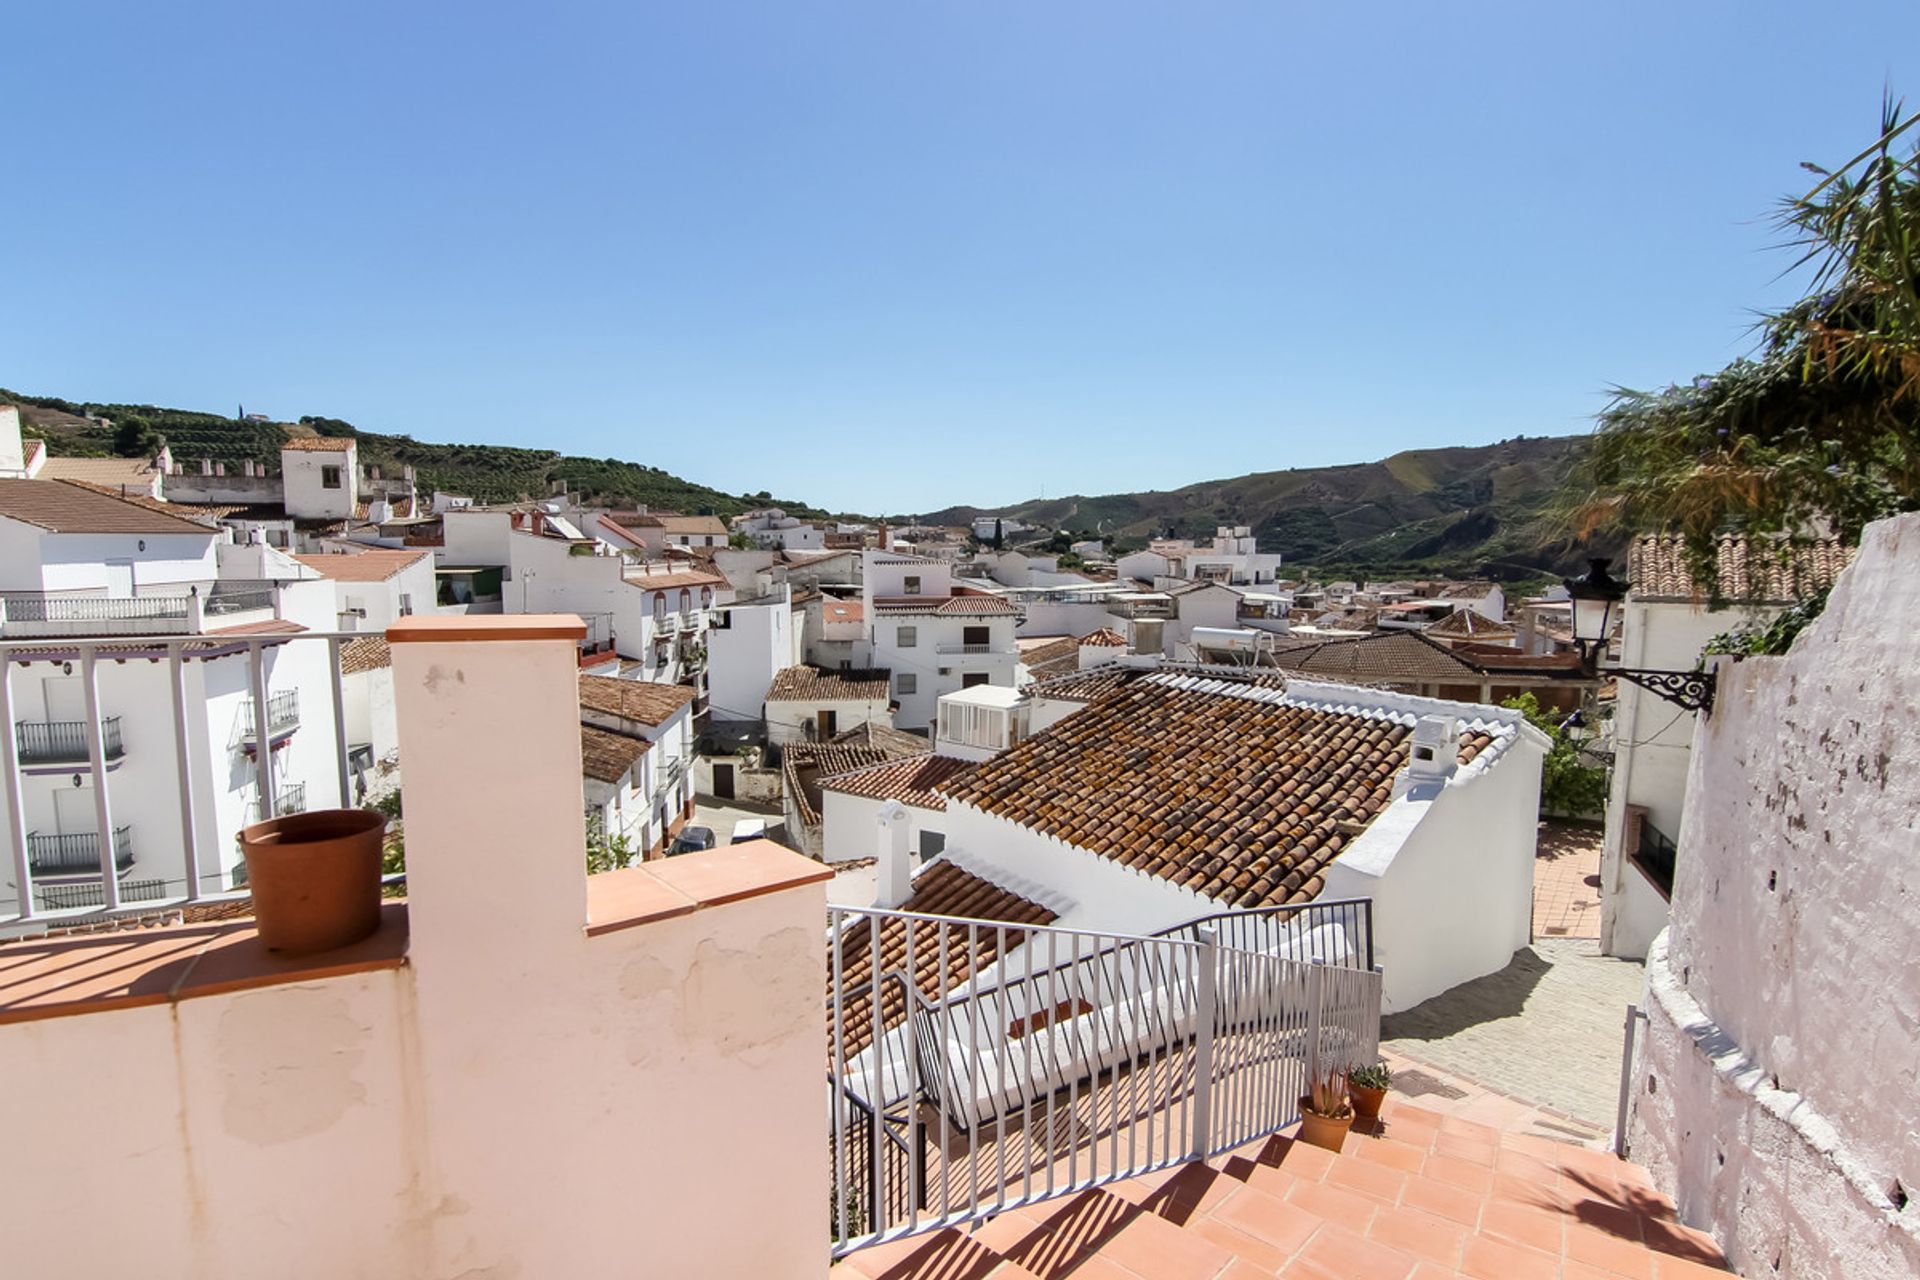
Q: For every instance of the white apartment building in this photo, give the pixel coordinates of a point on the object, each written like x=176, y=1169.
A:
x=774, y=529
x=749, y=642
x=374, y=587
x=636, y=740
x=78, y=566
x=1664, y=625
x=1231, y=558
x=933, y=637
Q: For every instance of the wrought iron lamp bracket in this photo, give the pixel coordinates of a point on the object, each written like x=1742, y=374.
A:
x=1691, y=690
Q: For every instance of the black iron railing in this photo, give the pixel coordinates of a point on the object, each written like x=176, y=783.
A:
x=76, y=853
x=283, y=712
x=64, y=741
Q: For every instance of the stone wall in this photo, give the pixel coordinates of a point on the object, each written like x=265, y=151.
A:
x=1778, y=1093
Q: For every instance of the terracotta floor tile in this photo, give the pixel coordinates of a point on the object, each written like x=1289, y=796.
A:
x=1668, y=1267
x=1455, y=1172
x=1336, y=1205
x=1456, y=1204
x=1303, y=1160
x=1522, y=1164
x=1283, y=1224
x=1530, y=1227
x=1155, y=1247
x=1464, y=1147
x=1007, y=1229
x=1241, y=1269
x=1376, y=1180
x=950, y=1255
x=1390, y=1152
x=1342, y=1253
x=1275, y=1182
x=1469, y=1129
x=1486, y=1259
x=1423, y=1235
x=1598, y=1249
x=1681, y=1242
x=1264, y=1254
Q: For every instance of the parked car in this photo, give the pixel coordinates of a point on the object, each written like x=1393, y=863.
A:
x=691, y=839
x=749, y=829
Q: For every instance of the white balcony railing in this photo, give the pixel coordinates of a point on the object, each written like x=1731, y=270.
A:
x=978, y=650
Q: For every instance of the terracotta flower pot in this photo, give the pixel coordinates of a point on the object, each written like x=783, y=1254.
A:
x=1328, y=1132
x=1366, y=1101
x=315, y=878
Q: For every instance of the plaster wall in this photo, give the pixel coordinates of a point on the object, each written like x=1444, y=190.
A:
x=32, y=559
x=307, y=495
x=1784, y=1031
x=792, y=721
x=744, y=656
x=849, y=826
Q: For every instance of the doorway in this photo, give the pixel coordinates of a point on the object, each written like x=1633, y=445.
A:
x=723, y=782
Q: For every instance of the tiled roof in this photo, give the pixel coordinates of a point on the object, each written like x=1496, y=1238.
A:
x=1085, y=686
x=1390, y=656
x=1105, y=637
x=317, y=444
x=812, y=684
x=1240, y=793
x=884, y=737
x=143, y=499
x=33, y=450
x=915, y=781
x=1466, y=624
x=843, y=610
x=644, y=700
x=1475, y=590
x=693, y=524
x=73, y=508
x=367, y=653
x=941, y=889
x=972, y=604
x=108, y=471
x=363, y=566
x=608, y=757
x=1657, y=570
x=1054, y=658
x=804, y=764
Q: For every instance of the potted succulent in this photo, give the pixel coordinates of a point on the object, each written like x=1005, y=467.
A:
x=1367, y=1087
x=1325, y=1116
x=315, y=877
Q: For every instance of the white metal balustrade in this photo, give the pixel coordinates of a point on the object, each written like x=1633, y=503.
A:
x=134, y=879
x=983, y=1065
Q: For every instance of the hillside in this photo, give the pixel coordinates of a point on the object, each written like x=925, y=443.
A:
x=490, y=473
x=1482, y=510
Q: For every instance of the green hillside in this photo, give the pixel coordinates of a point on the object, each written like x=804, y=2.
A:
x=490, y=473
x=1473, y=510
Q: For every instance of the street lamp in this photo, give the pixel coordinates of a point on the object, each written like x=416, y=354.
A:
x=1596, y=596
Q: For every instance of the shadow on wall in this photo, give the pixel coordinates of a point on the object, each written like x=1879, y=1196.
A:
x=1497, y=995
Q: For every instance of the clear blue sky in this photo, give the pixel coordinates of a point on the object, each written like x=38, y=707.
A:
x=892, y=255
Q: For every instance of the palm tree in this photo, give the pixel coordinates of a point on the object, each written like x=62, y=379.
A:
x=1819, y=429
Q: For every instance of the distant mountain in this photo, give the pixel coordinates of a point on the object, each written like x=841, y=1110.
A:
x=490, y=473
x=1473, y=510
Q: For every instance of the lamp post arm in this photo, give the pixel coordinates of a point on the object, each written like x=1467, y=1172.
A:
x=1692, y=690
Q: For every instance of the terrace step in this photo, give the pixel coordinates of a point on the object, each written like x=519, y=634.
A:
x=1418, y=1196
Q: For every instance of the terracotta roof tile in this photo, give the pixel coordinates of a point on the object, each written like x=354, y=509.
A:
x=317, y=444
x=60, y=507
x=972, y=605
x=941, y=889
x=608, y=757
x=1466, y=624
x=646, y=701
x=884, y=737
x=915, y=781
x=1232, y=791
x=1105, y=637
x=812, y=684
x=1657, y=569
x=367, y=653
x=843, y=611
x=1053, y=658
x=363, y=566
x=1085, y=686
x=804, y=765
x=675, y=578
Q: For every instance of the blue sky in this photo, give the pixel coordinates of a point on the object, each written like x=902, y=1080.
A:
x=893, y=255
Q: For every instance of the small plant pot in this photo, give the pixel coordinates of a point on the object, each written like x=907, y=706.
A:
x=1366, y=1102
x=1327, y=1132
x=315, y=878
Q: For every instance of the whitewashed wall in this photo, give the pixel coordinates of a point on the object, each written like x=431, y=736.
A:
x=1778, y=1097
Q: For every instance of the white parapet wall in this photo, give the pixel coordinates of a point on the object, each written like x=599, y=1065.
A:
x=1777, y=1094
x=528, y=1072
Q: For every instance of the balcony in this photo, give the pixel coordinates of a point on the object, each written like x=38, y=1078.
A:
x=978, y=650
x=32, y=613
x=283, y=715
x=228, y=598
x=76, y=853
x=64, y=741
x=289, y=799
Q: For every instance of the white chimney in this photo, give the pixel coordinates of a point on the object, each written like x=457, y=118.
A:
x=893, y=874
x=1434, y=751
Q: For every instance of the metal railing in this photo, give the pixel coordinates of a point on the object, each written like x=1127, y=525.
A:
x=975, y=1066
x=292, y=799
x=1008, y=650
x=36, y=613
x=64, y=741
x=192, y=857
x=283, y=712
x=226, y=598
x=75, y=853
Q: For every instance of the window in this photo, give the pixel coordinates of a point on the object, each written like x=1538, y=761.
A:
x=329, y=477
x=913, y=585
x=406, y=604
x=906, y=683
x=931, y=844
x=906, y=637
x=969, y=679
x=976, y=637
x=659, y=606
x=686, y=599
x=706, y=597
